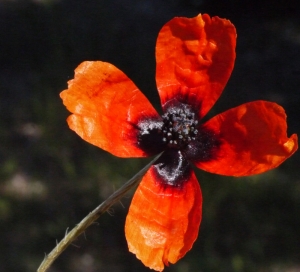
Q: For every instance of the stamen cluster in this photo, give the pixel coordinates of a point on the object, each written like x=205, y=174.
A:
x=179, y=127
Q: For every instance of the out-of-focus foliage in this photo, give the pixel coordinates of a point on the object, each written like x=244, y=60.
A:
x=50, y=179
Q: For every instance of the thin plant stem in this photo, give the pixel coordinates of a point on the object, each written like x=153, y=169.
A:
x=92, y=216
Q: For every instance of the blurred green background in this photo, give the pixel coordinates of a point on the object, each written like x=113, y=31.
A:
x=50, y=178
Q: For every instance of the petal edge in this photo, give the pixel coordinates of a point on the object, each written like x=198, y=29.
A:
x=163, y=221
x=253, y=140
x=195, y=58
x=106, y=107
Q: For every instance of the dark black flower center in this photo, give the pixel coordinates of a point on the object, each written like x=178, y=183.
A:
x=179, y=128
x=182, y=138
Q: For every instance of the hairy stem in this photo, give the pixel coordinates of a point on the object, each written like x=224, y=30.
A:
x=91, y=217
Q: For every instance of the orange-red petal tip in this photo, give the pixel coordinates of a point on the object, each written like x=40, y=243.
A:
x=106, y=106
x=253, y=139
x=194, y=59
x=163, y=221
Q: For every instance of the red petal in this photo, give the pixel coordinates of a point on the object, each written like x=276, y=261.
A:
x=253, y=140
x=163, y=221
x=195, y=58
x=106, y=105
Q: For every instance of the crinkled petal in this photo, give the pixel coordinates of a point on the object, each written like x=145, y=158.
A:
x=195, y=57
x=106, y=107
x=163, y=221
x=253, y=140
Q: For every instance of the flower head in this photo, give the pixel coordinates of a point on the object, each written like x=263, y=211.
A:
x=195, y=58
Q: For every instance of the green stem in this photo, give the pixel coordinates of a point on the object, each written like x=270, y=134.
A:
x=92, y=216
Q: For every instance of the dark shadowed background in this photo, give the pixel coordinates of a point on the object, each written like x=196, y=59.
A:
x=50, y=178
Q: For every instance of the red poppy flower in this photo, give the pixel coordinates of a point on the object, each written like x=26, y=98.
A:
x=195, y=58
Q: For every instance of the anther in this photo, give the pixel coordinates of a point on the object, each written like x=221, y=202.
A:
x=179, y=126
